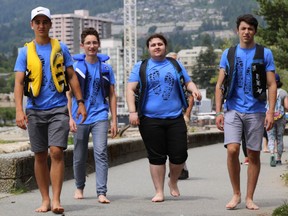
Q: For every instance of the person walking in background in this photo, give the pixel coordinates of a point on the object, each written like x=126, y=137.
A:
x=244, y=107
x=159, y=112
x=98, y=86
x=275, y=135
x=244, y=149
x=46, y=118
x=187, y=116
x=265, y=142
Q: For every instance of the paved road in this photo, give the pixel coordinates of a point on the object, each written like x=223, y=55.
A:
x=130, y=190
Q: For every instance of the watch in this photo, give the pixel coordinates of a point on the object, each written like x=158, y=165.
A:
x=80, y=101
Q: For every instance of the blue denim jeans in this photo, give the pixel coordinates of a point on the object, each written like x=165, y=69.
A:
x=99, y=131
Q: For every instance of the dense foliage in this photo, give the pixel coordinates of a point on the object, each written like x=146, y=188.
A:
x=7, y=115
x=275, y=32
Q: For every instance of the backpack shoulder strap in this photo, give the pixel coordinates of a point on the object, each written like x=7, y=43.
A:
x=259, y=53
x=231, y=58
x=175, y=64
x=141, y=87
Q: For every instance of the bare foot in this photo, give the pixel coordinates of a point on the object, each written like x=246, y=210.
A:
x=78, y=194
x=251, y=205
x=159, y=197
x=103, y=199
x=236, y=199
x=174, y=191
x=57, y=208
x=45, y=207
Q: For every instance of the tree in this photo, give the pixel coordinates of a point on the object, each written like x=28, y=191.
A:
x=205, y=70
x=274, y=34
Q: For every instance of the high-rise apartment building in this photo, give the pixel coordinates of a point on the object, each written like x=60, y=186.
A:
x=114, y=49
x=68, y=27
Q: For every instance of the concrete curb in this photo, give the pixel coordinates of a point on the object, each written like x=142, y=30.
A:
x=17, y=169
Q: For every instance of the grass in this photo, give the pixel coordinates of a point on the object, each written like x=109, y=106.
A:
x=6, y=141
x=281, y=210
x=18, y=190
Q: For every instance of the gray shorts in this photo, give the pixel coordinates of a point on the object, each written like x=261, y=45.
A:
x=251, y=123
x=48, y=128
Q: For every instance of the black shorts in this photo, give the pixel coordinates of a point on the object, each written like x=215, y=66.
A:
x=164, y=137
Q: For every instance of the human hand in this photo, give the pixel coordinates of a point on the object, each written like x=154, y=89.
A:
x=269, y=121
x=133, y=119
x=21, y=120
x=72, y=125
x=81, y=111
x=220, y=122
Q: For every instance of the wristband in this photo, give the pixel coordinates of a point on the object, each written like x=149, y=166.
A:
x=80, y=101
x=219, y=113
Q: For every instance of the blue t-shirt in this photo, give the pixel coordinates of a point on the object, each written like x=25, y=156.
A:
x=97, y=107
x=163, y=99
x=48, y=97
x=242, y=99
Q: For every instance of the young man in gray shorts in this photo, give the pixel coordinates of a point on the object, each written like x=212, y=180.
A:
x=244, y=107
x=44, y=81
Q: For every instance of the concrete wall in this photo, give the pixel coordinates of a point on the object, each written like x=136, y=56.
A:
x=17, y=169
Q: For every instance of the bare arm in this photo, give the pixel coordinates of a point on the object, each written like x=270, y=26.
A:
x=195, y=91
x=72, y=123
x=113, y=110
x=130, y=98
x=21, y=118
x=219, y=100
x=286, y=103
x=272, y=94
x=187, y=113
x=73, y=81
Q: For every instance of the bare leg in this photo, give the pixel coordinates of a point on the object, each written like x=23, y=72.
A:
x=234, y=174
x=41, y=170
x=175, y=171
x=158, y=177
x=253, y=174
x=57, y=175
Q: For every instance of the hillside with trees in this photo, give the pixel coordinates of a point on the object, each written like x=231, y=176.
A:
x=272, y=14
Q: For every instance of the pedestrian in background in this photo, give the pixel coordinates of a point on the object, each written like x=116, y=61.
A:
x=244, y=108
x=39, y=77
x=98, y=86
x=187, y=116
x=159, y=115
x=275, y=135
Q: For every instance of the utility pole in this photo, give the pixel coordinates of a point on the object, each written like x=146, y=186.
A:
x=130, y=39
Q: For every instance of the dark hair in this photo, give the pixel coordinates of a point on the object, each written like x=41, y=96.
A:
x=279, y=84
x=248, y=18
x=160, y=36
x=89, y=31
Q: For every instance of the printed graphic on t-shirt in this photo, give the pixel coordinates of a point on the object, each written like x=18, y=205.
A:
x=248, y=81
x=243, y=81
x=239, y=68
x=87, y=86
x=168, y=86
x=154, y=80
x=44, y=77
x=96, y=89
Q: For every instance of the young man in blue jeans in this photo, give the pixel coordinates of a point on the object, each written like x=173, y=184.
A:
x=97, y=101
